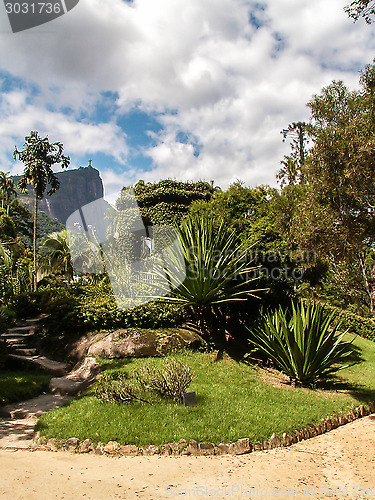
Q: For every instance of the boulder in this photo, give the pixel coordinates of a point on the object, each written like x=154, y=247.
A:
x=123, y=344
x=134, y=343
x=78, y=380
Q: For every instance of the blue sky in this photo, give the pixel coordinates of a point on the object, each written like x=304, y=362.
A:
x=175, y=89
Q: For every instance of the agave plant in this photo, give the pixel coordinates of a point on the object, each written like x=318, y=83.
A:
x=307, y=346
x=215, y=266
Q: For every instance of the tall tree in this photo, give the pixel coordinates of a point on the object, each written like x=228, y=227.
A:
x=293, y=164
x=361, y=8
x=39, y=156
x=337, y=216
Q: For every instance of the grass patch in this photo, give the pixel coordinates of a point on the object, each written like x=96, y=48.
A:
x=21, y=385
x=234, y=401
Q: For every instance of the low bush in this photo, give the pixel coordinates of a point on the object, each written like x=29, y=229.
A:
x=305, y=344
x=169, y=381
x=353, y=323
x=77, y=309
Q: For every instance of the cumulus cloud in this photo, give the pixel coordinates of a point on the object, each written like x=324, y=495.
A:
x=228, y=74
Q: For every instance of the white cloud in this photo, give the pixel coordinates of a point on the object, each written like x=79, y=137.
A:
x=212, y=73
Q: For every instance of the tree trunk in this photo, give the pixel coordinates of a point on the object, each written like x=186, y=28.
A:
x=34, y=239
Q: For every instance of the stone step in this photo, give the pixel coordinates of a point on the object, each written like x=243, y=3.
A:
x=14, y=347
x=10, y=336
x=55, y=367
x=36, y=321
x=23, y=329
x=24, y=351
x=17, y=340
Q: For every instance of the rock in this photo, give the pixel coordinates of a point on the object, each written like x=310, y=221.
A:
x=99, y=449
x=335, y=422
x=133, y=343
x=49, y=365
x=240, y=447
x=78, y=380
x=206, y=449
x=166, y=449
x=221, y=449
x=274, y=441
x=175, y=448
x=287, y=440
x=192, y=447
x=124, y=344
x=86, y=446
x=129, y=450
x=150, y=450
x=71, y=444
x=51, y=444
x=257, y=446
x=111, y=448
x=177, y=341
x=342, y=419
x=36, y=437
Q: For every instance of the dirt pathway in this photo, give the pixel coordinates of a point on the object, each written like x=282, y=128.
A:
x=339, y=464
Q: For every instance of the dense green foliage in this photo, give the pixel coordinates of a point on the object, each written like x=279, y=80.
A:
x=77, y=309
x=215, y=269
x=167, y=202
x=306, y=346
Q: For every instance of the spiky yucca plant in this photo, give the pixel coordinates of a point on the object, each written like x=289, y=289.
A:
x=216, y=267
x=307, y=346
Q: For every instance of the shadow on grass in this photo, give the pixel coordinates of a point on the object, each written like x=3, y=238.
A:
x=114, y=364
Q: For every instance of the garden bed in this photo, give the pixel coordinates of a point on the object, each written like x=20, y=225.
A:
x=234, y=402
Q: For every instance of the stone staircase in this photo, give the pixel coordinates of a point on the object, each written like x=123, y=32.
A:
x=21, y=346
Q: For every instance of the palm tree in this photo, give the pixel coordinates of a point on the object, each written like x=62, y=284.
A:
x=39, y=156
x=58, y=260
x=8, y=189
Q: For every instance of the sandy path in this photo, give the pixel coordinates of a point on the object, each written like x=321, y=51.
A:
x=343, y=458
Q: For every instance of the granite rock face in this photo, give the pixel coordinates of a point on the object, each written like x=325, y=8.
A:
x=77, y=188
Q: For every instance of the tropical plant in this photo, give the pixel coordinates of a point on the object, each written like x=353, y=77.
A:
x=216, y=267
x=8, y=189
x=307, y=346
x=39, y=156
x=58, y=259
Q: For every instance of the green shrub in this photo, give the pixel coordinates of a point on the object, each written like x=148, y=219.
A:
x=78, y=309
x=169, y=381
x=353, y=323
x=306, y=345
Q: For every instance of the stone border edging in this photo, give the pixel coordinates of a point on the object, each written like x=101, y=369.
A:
x=182, y=447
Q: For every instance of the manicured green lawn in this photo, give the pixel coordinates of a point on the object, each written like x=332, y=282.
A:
x=234, y=401
x=21, y=385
